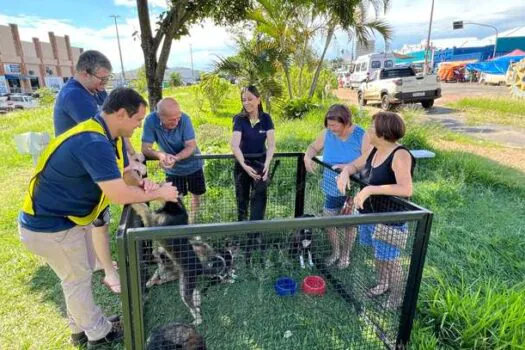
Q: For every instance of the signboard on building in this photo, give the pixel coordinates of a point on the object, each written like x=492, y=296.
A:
x=54, y=83
x=362, y=49
x=4, y=88
x=12, y=68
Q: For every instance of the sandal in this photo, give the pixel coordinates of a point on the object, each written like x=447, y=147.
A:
x=331, y=259
x=378, y=290
x=343, y=263
x=113, y=288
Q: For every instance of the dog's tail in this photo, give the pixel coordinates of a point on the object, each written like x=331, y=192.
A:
x=143, y=212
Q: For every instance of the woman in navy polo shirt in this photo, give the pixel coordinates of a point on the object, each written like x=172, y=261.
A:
x=341, y=143
x=253, y=131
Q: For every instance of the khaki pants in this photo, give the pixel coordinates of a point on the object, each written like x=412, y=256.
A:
x=70, y=255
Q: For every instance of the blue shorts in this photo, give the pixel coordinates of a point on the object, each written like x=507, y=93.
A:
x=334, y=203
x=382, y=250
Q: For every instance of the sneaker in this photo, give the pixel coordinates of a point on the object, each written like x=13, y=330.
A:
x=115, y=334
x=78, y=339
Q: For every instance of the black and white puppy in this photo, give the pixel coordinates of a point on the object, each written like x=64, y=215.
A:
x=182, y=258
x=301, y=244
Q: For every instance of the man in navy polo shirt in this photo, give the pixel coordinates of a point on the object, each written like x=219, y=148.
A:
x=83, y=95
x=172, y=131
x=76, y=177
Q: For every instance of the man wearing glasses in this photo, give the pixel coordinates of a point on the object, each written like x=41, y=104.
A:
x=83, y=95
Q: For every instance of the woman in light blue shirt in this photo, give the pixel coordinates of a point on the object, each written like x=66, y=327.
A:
x=341, y=142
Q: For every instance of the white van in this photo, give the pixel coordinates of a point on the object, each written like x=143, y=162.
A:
x=367, y=64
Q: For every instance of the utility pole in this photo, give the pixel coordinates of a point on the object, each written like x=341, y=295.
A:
x=119, y=50
x=425, y=68
x=191, y=59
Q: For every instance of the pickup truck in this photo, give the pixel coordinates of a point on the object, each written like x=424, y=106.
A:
x=391, y=86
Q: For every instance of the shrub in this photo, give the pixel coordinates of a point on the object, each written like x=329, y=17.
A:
x=46, y=96
x=296, y=108
x=176, y=79
x=215, y=90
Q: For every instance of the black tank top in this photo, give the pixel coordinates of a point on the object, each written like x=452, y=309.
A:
x=381, y=175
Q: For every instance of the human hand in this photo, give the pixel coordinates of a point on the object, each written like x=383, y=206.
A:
x=338, y=166
x=166, y=160
x=361, y=197
x=138, y=157
x=309, y=164
x=251, y=172
x=266, y=171
x=343, y=181
x=149, y=186
x=168, y=192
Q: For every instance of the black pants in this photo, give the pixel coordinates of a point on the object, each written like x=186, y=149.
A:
x=247, y=190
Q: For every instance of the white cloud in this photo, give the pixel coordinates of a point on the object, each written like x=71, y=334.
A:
x=207, y=40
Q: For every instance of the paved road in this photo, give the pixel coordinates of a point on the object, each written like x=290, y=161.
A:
x=453, y=120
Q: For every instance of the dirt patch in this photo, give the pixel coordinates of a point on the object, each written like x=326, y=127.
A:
x=511, y=157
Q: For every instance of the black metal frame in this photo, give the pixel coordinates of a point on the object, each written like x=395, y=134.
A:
x=130, y=249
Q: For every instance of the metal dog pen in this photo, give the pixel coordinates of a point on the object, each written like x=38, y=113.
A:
x=378, y=327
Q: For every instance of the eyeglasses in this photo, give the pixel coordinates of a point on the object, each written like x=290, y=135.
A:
x=103, y=80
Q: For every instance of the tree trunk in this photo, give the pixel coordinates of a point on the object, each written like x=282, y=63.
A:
x=300, y=84
x=288, y=82
x=329, y=36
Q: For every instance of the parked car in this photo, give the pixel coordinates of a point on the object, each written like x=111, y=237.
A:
x=19, y=101
x=399, y=85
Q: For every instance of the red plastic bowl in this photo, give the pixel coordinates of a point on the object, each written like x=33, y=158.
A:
x=314, y=285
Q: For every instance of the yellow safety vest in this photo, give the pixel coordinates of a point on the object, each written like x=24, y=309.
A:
x=90, y=125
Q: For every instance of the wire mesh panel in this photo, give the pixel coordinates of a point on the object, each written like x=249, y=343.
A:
x=226, y=193
x=320, y=281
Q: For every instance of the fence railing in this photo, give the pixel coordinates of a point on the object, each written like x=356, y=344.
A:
x=346, y=316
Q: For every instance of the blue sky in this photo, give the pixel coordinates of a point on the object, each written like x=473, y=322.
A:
x=89, y=26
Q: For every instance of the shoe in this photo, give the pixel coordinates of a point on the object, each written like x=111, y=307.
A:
x=378, y=290
x=343, y=263
x=331, y=259
x=78, y=339
x=115, y=334
x=113, y=288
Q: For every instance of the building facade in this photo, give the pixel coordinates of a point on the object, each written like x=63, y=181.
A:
x=26, y=66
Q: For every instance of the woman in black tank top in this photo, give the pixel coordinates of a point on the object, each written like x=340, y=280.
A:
x=388, y=168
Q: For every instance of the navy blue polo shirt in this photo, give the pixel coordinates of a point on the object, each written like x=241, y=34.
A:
x=74, y=104
x=172, y=141
x=253, y=139
x=68, y=184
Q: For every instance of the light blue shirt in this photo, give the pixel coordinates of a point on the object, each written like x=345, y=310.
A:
x=337, y=151
x=172, y=141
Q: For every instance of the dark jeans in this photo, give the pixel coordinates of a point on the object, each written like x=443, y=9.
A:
x=247, y=190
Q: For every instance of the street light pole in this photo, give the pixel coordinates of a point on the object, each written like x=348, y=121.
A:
x=495, y=29
x=192, y=72
x=425, y=67
x=119, y=50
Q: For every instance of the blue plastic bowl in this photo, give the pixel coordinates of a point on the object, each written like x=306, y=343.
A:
x=285, y=286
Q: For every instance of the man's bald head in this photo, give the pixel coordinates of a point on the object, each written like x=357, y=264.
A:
x=169, y=112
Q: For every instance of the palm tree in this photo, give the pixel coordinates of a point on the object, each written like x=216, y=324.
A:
x=277, y=20
x=254, y=63
x=350, y=16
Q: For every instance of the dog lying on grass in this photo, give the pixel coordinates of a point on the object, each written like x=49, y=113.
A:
x=184, y=259
x=176, y=336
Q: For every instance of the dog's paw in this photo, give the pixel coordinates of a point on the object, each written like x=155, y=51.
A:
x=197, y=321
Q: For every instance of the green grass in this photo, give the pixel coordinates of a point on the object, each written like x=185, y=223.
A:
x=472, y=290
x=502, y=111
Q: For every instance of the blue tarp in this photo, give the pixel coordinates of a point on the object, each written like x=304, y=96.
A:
x=497, y=66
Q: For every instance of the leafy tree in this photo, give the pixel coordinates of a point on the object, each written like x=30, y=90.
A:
x=140, y=83
x=172, y=25
x=254, y=64
x=352, y=16
x=176, y=79
x=277, y=20
x=215, y=90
